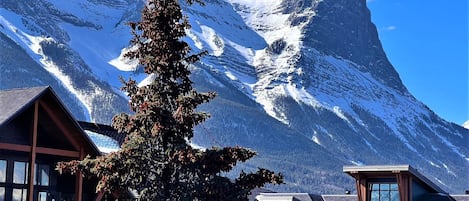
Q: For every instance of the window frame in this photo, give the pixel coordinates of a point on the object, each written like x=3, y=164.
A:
x=389, y=190
x=11, y=184
x=3, y=183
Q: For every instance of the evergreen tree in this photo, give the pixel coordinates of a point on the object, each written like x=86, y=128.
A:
x=156, y=159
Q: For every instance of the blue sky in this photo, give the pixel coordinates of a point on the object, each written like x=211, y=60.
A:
x=427, y=43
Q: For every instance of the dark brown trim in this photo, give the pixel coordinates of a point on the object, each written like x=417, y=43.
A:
x=403, y=183
x=40, y=150
x=362, y=188
x=15, y=147
x=58, y=152
x=32, y=159
x=79, y=180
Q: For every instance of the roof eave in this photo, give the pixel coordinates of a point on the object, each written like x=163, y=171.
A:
x=351, y=170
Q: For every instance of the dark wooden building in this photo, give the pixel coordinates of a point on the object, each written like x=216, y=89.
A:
x=37, y=131
x=394, y=183
x=378, y=183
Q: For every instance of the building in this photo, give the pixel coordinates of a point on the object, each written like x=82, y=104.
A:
x=395, y=183
x=378, y=183
x=36, y=132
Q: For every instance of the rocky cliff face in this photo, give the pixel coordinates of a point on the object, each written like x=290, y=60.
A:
x=344, y=28
x=305, y=83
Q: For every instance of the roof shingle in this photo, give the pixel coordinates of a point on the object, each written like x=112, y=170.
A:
x=13, y=101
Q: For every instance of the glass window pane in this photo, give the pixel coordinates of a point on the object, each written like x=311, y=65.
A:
x=2, y=193
x=394, y=196
x=35, y=174
x=42, y=196
x=41, y=176
x=44, y=172
x=20, y=172
x=384, y=195
x=19, y=194
x=375, y=187
x=3, y=171
x=384, y=187
x=374, y=195
x=384, y=192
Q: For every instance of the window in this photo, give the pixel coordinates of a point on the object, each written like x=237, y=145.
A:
x=20, y=176
x=3, y=171
x=3, y=178
x=2, y=193
x=14, y=181
x=384, y=192
x=20, y=172
x=41, y=181
x=41, y=176
x=20, y=194
x=42, y=196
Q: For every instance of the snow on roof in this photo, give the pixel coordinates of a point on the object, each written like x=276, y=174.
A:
x=104, y=143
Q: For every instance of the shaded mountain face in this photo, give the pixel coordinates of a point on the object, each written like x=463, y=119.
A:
x=305, y=83
x=343, y=28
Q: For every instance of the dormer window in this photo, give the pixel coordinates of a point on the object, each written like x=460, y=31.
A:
x=391, y=183
x=384, y=192
x=378, y=183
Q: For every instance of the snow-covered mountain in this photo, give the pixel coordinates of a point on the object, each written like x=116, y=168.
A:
x=466, y=124
x=305, y=83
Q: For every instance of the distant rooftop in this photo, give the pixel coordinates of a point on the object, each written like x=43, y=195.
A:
x=104, y=143
x=105, y=137
x=461, y=197
x=373, y=182
x=304, y=197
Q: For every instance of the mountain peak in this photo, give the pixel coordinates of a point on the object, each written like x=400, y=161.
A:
x=344, y=28
x=466, y=124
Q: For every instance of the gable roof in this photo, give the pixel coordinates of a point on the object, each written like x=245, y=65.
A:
x=15, y=101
